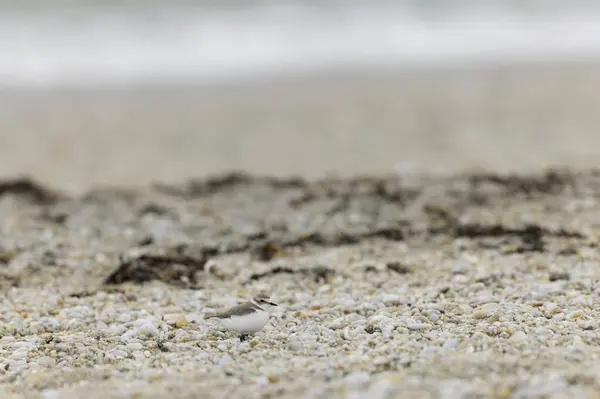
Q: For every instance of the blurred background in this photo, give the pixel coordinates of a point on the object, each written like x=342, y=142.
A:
x=130, y=92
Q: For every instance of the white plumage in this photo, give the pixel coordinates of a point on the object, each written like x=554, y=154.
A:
x=247, y=324
x=248, y=317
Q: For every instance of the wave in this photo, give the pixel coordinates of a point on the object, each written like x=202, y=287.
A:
x=96, y=44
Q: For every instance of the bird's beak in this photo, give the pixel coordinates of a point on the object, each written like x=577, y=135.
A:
x=272, y=304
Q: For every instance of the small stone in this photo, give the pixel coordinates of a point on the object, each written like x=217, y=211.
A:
x=450, y=344
x=518, y=336
x=46, y=361
x=480, y=314
x=460, y=279
x=587, y=324
x=433, y=315
x=19, y=354
x=211, y=266
x=50, y=324
x=324, y=289
x=116, y=329
x=558, y=275
x=135, y=346
x=357, y=378
x=543, y=332
x=38, y=379
x=225, y=360
x=124, y=318
x=294, y=345
x=550, y=308
x=580, y=300
x=491, y=307
x=181, y=321
x=23, y=344
x=62, y=346
x=338, y=323
x=181, y=336
x=261, y=381
x=176, y=319
x=127, y=336
x=146, y=328
x=171, y=318
x=49, y=394
x=577, y=314
x=117, y=353
x=391, y=299
x=418, y=326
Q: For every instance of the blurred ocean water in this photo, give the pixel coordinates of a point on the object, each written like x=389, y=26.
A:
x=88, y=43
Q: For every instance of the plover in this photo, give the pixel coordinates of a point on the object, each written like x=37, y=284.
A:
x=247, y=318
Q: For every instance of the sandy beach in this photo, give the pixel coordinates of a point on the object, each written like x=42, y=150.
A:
x=503, y=119
x=444, y=258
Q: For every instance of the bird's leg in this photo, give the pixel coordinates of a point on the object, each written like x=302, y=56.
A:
x=243, y=337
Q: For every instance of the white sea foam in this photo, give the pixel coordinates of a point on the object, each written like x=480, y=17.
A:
x=91, y=44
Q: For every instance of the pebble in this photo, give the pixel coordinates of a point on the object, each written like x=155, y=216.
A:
x=124, y=318
x=324, y=289
x=176, y=320
x=181, y=321
x=23, y=344
x=62, y=346
x=135, y=346
x=450, y=344
x=225, y=360
x=181, y=336
x=577, y=314
x=261, y=381
x=518, y=336
x=46, y=361
x=19, y=354
x=294, y=345
x=587, y=324
x=581, y=300
x=391, y=299
x=418, y=326
x=480, y=314
x=338, y=323
x=379, y=390
x=128, y=335
x=357, y=378
x=117, y=353
x=495, y=328
x=50, y=394
x=490, y=307
x=433, y=315
x=117, y=329
x=147, y=328
x=550, y=309
x=543, y=332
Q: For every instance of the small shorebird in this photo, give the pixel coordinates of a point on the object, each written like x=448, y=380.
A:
x=247, y=318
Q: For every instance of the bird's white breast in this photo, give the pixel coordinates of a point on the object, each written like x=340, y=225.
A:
x=249, y=323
